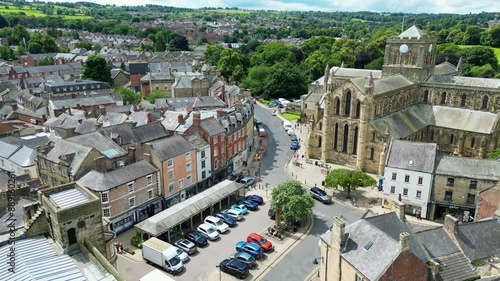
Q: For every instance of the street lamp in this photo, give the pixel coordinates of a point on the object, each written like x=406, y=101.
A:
x=220, y=272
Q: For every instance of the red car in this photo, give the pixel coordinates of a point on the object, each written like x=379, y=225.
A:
x=261, y=241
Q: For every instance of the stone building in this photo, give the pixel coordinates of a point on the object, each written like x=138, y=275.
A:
x=360, y=110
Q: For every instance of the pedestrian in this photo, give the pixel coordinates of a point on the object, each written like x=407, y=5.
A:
x=354, y=202
x=121, y=247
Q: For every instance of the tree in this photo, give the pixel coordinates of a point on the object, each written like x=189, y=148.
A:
x=479, y=56
x=96, y=68
x=5, y=52
x=157, y=94
x=180, y=43
x=129, y=96
x=270, y=54
x=160, y=44
x=348, y=180
x=293, y=201
x=212, y=53
x=229, y=60
x=42, y=43
x=18, y=34
x=472, y=35
x=45, y=61
x=3, y=22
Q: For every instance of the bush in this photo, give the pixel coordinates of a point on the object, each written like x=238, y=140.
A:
x=136, y=241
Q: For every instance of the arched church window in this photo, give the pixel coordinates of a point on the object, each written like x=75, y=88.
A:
x=320, y=140
x=335, y=137
x=452, y=139
x=443, y=98
x=472, y=142
x=346, y=138
x=426, y=95
x=432, y=135
x=355, y=142
x=337, y=107
x=320, y=126
x=373, y=136
x=347, y=110
x=372, y=153
x=485, y=103
x=463, y=100
x=358, y=109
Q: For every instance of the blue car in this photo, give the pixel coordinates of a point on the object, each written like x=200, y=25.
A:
x=240, y=208
x=253, y=249
x=249, y=204
x=294, y=145
x=227, y=219
x=255, y=198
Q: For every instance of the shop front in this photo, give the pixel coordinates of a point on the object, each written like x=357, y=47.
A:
x=464, y=213
x=238, y=160
x=148, y=209
x=123, y=222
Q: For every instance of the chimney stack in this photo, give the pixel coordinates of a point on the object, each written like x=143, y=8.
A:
x=223, y=92
x=221, y=113
x=100, y=164
x=180, y=119
x=150, y=117
x=450, y=224
x=196, y=120
x=147, y=157
x=338, y=232
x=434, y=265
x=14, y=106
x=400, y=209
x=131, y=155
x=404, y=241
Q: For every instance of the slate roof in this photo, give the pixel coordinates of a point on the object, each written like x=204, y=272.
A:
x=464, y=81
x=7, y=149
x=384, y=85
x=88, y=101
x=468, y=168
x=87, y=126
x=139, y=117
x=112, y=118
x=479, y=239
x=383, y=231
x=314, y=97
x=412, y=32
x=123, y=130
x=352, y=72
x=32, y=142
x=186, y=82
x=77, y=151
x=437, y=242
x=98, y=181
x=101, y=143
x=464, y=119
x=212, y=126
x=119, y=109
x=24, y=157
x=445, y=68
x=207, y=102
x=454, y=267
x=197, y=141
x=412, y=156
x=171, y=147
x=170, y=119
x=149, y=132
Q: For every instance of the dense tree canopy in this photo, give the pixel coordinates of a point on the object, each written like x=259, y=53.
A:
x=293, y=201
x=348, y=180
x=96, y=68
x=129, y=96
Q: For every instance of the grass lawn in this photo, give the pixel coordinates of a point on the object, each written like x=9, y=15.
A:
x=495, y=50
x=37, y=13
x=290, y=116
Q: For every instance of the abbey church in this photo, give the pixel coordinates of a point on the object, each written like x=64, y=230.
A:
x=355, y=113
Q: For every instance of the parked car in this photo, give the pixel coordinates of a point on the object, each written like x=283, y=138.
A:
x=251, y=248
x=227, y=219
x=256, y=121
x=187, y=246
x=197, y=238
x=252, y=206
x=216, y=223
x=237, y=215
x=247, y=181
x=245, y=258
x=291, y=132
x=294, y=145
x=274, y=103
x=237, y=177
x=234, y=267
x=255, y=198
x=287, y=125
x=183, y=256
x=240, y=208
x=271, y=213
x=261, y=241
x=273, y=113
x=320, y=195
x=208, y=231
x=294, y=138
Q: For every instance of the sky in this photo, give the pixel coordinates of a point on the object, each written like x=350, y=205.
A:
x=406, y=6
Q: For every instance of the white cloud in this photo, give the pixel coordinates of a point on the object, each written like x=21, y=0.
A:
x=408, y=6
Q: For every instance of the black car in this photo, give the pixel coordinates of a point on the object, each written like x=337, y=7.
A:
x=197, y=238
x=227, y=219
x=271, y=213
x=234, y=267
x=320, y=195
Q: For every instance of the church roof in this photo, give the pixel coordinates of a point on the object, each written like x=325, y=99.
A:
x=384, y=85
x=464, y=81
x=445, y=68
x=355, y=72
x=412, y=32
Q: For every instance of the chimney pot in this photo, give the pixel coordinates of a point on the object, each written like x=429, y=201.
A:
x=450, y=224
x=180, y=119
x=400, y=209
x=404, y=241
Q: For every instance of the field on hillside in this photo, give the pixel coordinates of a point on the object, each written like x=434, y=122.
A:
x=495, y=50
x=32, y=11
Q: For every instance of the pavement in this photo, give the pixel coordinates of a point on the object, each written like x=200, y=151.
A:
x=310, y=174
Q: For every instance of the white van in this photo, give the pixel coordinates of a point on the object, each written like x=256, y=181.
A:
x=287, y=125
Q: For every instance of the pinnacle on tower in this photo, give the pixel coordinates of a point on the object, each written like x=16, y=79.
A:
x=369, y=82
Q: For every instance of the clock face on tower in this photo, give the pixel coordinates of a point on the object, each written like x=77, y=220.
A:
x=430, y=48
x=403, y=49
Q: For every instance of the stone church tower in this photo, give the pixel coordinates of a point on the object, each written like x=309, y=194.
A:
x=361, y=110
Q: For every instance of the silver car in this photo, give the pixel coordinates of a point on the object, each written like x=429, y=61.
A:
x=187, y=246
x=320, y=195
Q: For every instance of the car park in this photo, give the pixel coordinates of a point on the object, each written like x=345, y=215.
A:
x=294, y=145
x=240, y=208
x=247, y=181
x=197, y=238
x=250, y=248
x=245, y=258
x=182, y=255
x=234, y=267
x=255, y=198
x=187, y=246
x=227, y=219
x=320, y=195
x=249, y=204
x=237, y=215
x=208, y=231
x=261, y=241
x=216, y=223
